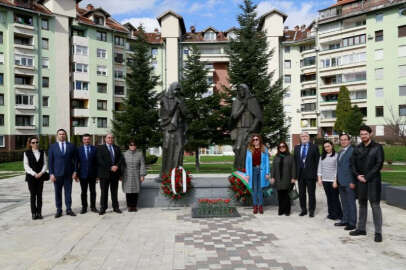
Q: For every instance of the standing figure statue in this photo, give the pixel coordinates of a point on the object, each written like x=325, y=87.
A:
x=246, y=116
x=173, y=124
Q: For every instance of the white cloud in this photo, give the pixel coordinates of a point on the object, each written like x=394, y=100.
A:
x=298, y=13
x=149, y=23
x=122, y=6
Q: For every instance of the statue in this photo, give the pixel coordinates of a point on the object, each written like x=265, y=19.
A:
x=247, y=117
x=172, y=114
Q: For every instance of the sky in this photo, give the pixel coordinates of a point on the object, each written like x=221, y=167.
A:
x=220, y=14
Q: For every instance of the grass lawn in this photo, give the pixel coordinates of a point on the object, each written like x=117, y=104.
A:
x=394, y=178
x=12, y=166
x=395, y=153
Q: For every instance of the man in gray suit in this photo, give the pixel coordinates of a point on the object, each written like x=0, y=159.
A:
x=346, y=182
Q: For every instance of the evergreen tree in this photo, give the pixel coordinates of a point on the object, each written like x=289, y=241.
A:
x=203, y=105
x=343, y=110
x=139, y=116
x=249, y=58
x=355, y=119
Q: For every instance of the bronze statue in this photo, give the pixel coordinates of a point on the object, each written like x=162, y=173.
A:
x=247, y=117
x=173, y=124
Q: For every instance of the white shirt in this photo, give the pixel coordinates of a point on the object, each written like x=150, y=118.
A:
x=60, y=147
x=27, y=167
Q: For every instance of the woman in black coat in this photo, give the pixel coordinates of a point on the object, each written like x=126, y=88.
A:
x=283, y=175
x=35, y=166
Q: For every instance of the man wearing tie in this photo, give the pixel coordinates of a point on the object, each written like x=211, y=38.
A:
x=307, y=157
x=87, y=170
x=108, y=171
x=62, y=159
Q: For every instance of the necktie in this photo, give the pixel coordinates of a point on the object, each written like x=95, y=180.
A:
x=86, y=152
x=63, y=148
x=111, y=153
x=304, y=153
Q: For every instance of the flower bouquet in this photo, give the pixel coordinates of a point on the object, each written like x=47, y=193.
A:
x=176, y=184
x=239, y=187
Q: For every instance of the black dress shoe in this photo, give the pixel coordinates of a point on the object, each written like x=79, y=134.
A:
x=84, y=210
x=70, y=213
x=378, y=237
x=102, y=212
x=58, y=214
x=287, y=214
x=358, y=232
x=94, y=210
x=303, y=213
x=340, y=224
x=349, y=227
x=311, y=214
x=39, y=216
x=118, y=211
x=34, y=216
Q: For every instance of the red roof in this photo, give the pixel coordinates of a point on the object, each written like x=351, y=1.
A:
x=81, y=16
x=199, y=37
x=343, y=2
x=30, y=6
x=296, y=34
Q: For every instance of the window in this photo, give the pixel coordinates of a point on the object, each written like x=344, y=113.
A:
x=1, y=58
x=45, y=101
x=79, y=122
x=210, y=35
x=81, y=85
x=78, y=32
x=80, y=50
x=118, y=57
x=402, y=12
x=307, y=77
x=379, y=35
x=186, y=51
x=287, y=64
x=102, y=105
x=45, y=62
x=98, y=20
x=102, y=36
x=101, y=53
x=154, y=52
x=379, y=111
x=356, y=40
x=307, y=47
x=379, y=17
x=402, y=110
x=308, y=61
x=77, y=67
x=360, y=94
x=402, y=90
x=379, y=54
x=22, y=40
x=1, y=99
x=101, y=70
x=2, y=144
x=402, y=71
x=402, y=31
x=120, y=41
x=118, y=74
x=23, y=19
x=1, y=78
x=24, y=120
x=24, y=100
x=154, y=64
x=379, y=74
x=102, y=87
x=1, y=120
x=45, y=43
x=1, y=37
x=210, y=51
x=287, y=49
x=308, y=107
x=23, y=79
x=44, y=24
x=23, y=60
x=402, y=51
x=119, y=90
x=45, y=82
x=287, y=79
x=101, y=122
x=379, y=92
x=308, y=92
x=45, y=120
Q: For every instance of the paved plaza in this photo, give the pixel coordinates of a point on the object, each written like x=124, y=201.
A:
x=168, y=238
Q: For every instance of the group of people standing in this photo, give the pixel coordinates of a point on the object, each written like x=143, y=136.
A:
x=353, y=172
x=87, y=165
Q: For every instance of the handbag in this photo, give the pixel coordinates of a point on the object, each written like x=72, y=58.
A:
x=267, y=191
x=45, y=176
x=293, y=194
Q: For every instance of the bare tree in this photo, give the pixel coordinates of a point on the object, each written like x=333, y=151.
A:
x=396, y=125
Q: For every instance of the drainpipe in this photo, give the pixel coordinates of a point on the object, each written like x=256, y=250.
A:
x=39, y=80
x=317, y=76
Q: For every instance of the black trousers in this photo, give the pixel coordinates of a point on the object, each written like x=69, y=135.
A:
x=84, y=184
x=105, y=183
x=310, y=186
x=284, y=202
x=132, y=199
x=35, y=187
x=333, y=200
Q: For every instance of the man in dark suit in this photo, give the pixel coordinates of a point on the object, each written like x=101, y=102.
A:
x=307, y=157
x=61, y=161
x=87, y=172
x=346, y=184
x=367, y=162
x=109, y=160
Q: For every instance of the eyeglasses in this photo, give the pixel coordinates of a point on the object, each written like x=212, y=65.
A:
x=132, y=144
x=255, y=139
x=282, y=146
x=34, y=142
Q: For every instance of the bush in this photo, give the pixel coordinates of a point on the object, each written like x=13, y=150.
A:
x=151, y=159
x=11, y=156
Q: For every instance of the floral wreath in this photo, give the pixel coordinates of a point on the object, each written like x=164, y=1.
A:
x=176, y=184
x=239, y=190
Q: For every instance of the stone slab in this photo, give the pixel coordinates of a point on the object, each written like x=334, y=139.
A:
x=396, y=196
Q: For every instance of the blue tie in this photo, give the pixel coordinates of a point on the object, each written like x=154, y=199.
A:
x=86, y=152
x=111, y=153
x=63, y=148
x=304, y=154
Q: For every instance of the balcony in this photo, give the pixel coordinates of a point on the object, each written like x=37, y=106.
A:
x=24, y=86
x=24, y=107
x=80, y=130
x=80, y=112
x=78, y=40
x=80, y=94
x=31, y=127
x=24, y=27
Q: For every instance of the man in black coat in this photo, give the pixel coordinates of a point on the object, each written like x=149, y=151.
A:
x=109, y=160
x=307, y=157
x=367, y=162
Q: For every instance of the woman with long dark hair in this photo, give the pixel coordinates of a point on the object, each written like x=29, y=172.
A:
x=257, y=168
x=35, y=166
x=283, y=175
x=327, y=177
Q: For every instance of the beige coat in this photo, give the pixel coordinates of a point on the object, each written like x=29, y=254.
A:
x=133, y=167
